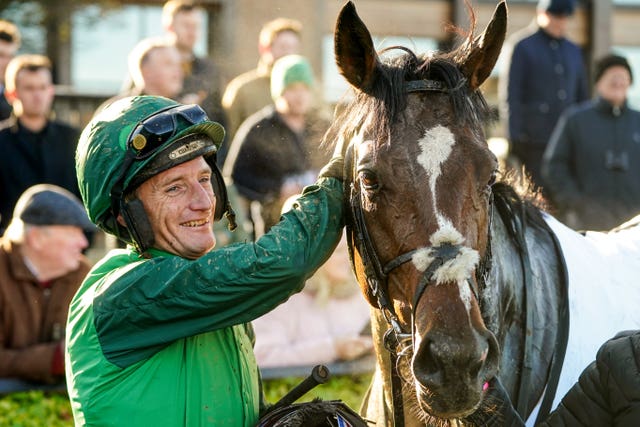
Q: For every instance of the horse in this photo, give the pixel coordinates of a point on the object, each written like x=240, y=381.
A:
x=466, y=276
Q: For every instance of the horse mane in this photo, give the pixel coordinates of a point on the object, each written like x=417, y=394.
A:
x=517, y=208
x=387, y=97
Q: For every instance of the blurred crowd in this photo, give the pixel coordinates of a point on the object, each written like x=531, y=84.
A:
x=274, y=118
x=582, y=152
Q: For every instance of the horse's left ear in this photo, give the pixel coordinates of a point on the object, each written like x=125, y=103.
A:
x=482, y=53
x=356, y=56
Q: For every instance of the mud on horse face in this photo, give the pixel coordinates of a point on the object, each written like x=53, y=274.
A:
x=420, y=175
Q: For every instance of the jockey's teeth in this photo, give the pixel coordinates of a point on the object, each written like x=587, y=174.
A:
x=195, y=223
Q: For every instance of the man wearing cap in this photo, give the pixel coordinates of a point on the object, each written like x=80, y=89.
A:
x=157, y=333
x=543, y=74
x=41, y=267
x=276, y=150
x=592, y=163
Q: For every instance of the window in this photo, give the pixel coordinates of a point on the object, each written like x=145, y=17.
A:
x=100, y=47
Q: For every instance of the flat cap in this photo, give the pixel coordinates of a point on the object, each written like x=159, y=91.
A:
x=557, y=7
x=47, y=204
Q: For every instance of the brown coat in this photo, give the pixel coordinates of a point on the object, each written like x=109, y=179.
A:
x=32, y=317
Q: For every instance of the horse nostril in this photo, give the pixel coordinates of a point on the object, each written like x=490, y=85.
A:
x=427, y=365
x=491, y=360
x=471, y=361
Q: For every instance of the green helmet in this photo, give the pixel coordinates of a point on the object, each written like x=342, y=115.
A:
x=132, y=140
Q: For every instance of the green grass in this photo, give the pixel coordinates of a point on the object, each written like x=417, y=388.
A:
x=37, y=409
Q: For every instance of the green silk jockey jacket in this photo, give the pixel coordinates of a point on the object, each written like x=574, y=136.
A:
x=162, y=341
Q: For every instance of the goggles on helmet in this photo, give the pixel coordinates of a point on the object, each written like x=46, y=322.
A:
x=155, y=130
x=148, y=136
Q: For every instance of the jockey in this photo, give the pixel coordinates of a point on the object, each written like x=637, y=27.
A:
x=158, y=332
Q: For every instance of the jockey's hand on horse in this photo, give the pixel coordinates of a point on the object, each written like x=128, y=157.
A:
x=497, y=411
x=335, y=167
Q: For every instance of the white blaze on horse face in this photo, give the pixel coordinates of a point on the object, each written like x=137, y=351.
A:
x=436, y=146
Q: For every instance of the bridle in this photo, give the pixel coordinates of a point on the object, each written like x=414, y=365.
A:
x=377, y=274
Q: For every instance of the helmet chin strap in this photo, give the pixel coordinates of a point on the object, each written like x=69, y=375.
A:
x=137, y=224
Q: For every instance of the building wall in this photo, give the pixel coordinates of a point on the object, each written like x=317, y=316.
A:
x=234, y=25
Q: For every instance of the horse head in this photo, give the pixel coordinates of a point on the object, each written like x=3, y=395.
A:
x=419, y=175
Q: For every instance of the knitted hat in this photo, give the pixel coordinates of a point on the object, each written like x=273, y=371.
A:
x=557, y=7
x=46, y=204
x=288, y=70
x=608, y=61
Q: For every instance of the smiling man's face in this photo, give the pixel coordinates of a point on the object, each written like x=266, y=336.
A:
x=180, y=204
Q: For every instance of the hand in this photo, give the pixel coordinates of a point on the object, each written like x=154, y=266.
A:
x=57, y=362
x=335, y=167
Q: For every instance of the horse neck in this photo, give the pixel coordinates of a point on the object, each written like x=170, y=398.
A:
x=504, y=302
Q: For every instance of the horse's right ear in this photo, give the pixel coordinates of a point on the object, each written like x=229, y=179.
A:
x=356, y=56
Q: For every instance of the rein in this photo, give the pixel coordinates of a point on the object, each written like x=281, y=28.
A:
x=517, y=230
x=377, y=274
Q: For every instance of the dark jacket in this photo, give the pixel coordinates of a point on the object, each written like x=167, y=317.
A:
x=203, y=78
x=606, y=394
x=5, y=107
x=592, y=165
x=545, y=76
x=266, y=152
x=542, y=77
x=32, y=316
x=608, y=391
x=29, y=158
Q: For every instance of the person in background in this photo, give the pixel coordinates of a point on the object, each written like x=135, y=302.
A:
x=35, y=148
x=592, y=163
x=166, y=319
x=251, y=91
x=544, y=73
x=182, y=22
x=9, y=45
x=322, y=324
x=41, y=267
x=155, y=69
x=276, y=151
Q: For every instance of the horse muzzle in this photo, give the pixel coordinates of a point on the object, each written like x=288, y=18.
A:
x=450, y=373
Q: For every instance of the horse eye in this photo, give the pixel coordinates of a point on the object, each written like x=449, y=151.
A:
x=369, y=180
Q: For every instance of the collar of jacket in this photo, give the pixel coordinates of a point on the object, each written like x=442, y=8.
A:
x=13, y=123
x=549, y=37
x=606, y=107
x=18, y=268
